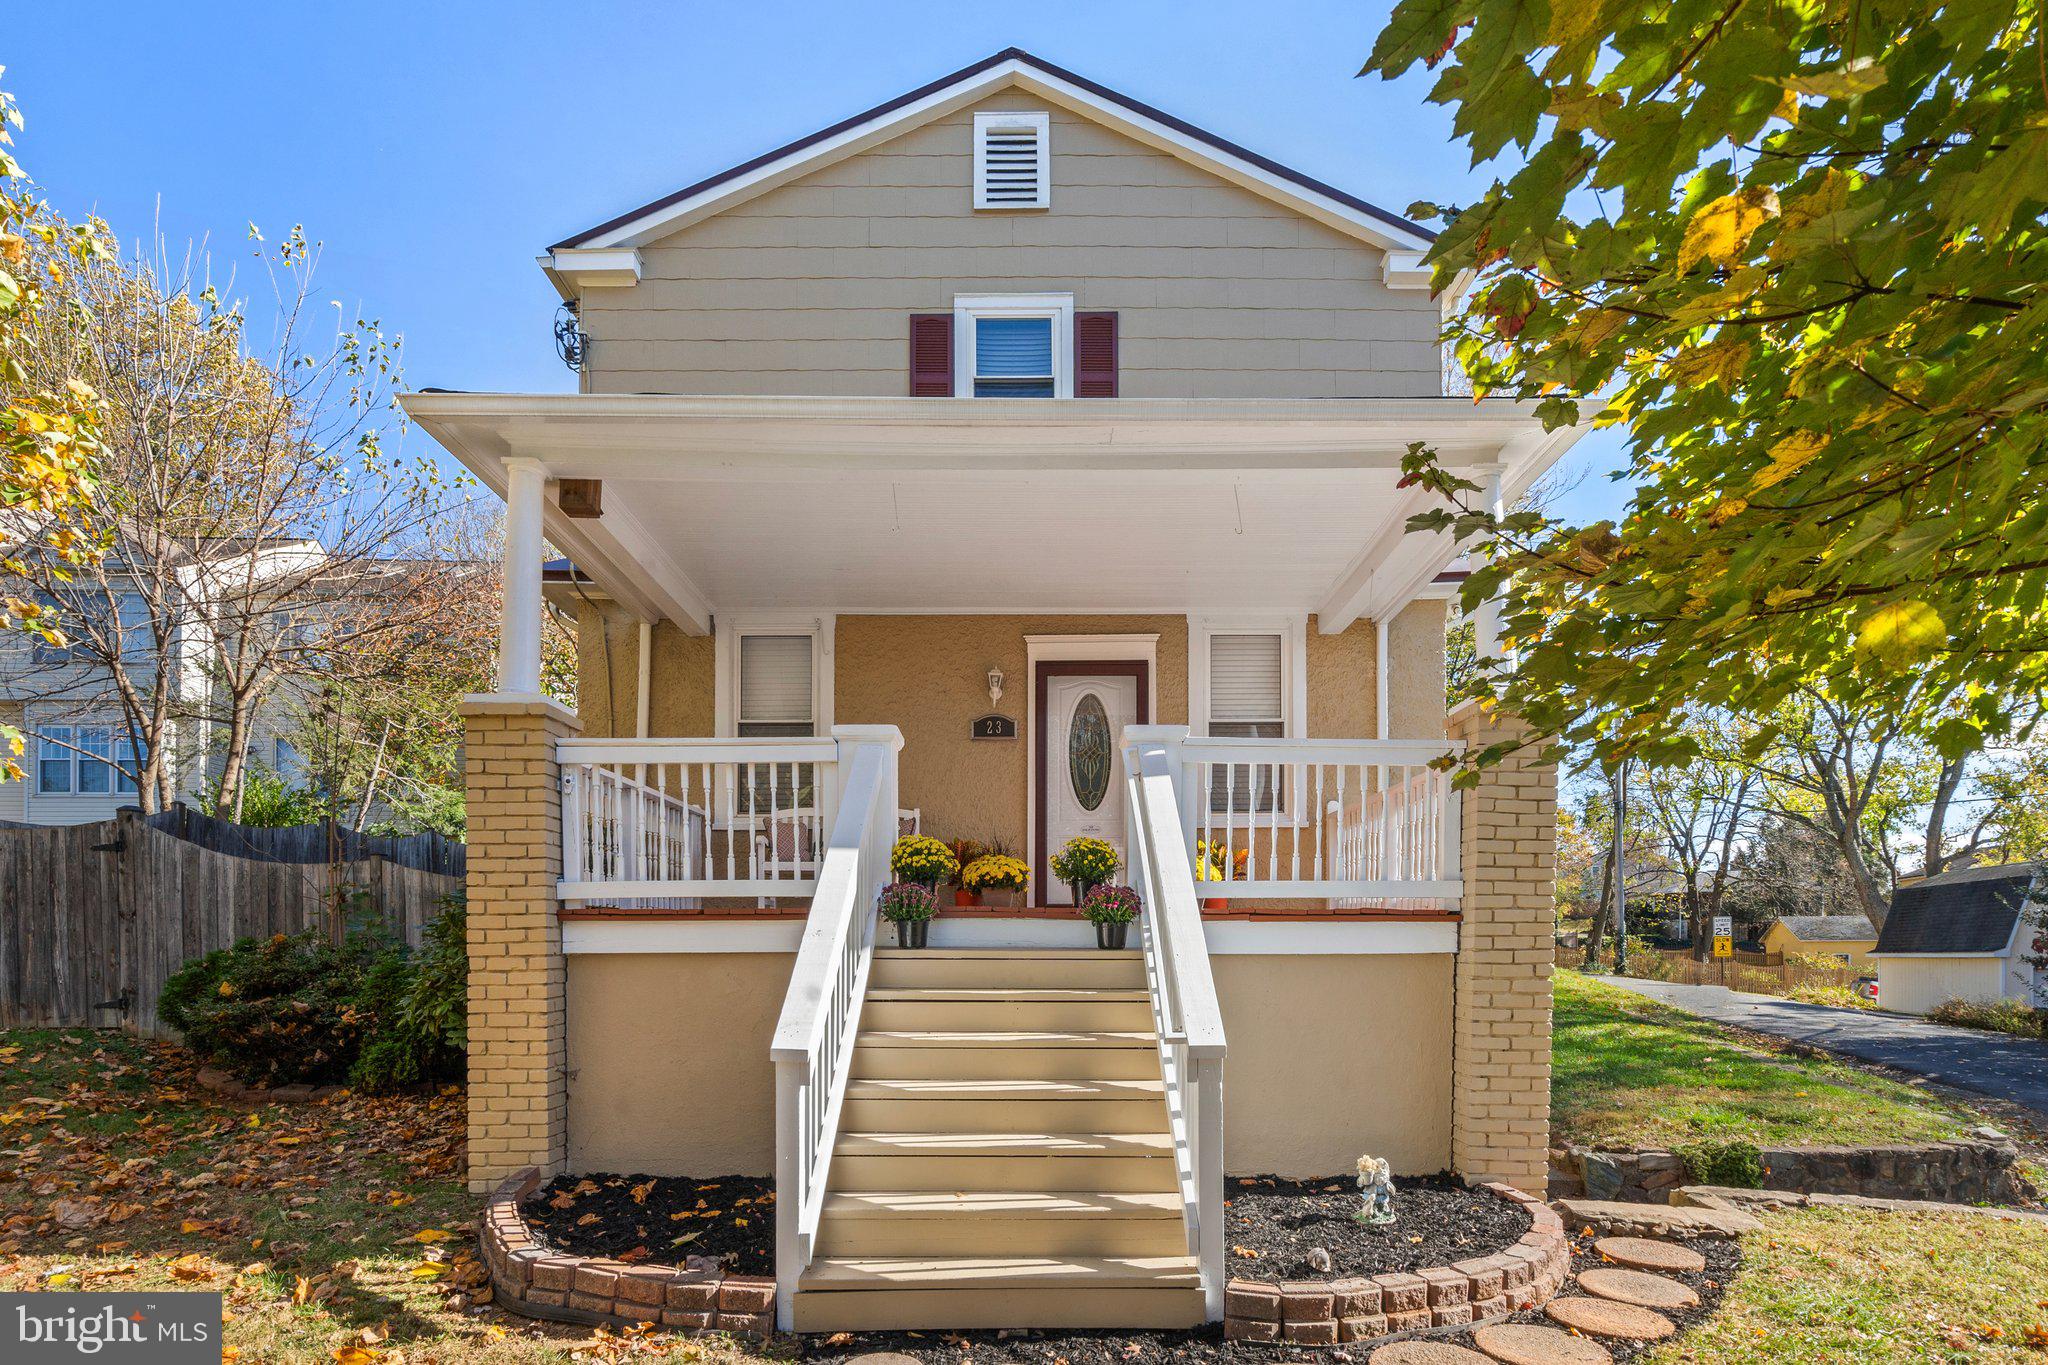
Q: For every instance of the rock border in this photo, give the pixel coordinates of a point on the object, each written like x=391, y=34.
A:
x=1379, y=1308
x=595, y=1291
x=1977, y=1169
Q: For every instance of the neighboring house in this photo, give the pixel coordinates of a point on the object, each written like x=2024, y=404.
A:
x=1013, y=461
x=1848, y=937
x=1964, y=935
x=81, y=757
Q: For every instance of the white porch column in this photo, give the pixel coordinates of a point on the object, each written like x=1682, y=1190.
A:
x=526, y=483
x=1486, y=621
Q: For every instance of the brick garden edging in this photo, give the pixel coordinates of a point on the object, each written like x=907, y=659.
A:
x=1382, y=1307
x=220, y=1083
x=594, y=1291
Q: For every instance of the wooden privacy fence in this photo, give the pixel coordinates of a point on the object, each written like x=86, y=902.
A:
x=94, y=918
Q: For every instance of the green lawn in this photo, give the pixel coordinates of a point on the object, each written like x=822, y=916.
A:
x=1631, y=1072
x=1845, y=1287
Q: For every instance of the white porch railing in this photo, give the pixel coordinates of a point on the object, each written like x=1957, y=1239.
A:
x=1184, y=1010
x=672, y=822
x=1355, y=822
x=814, y=1038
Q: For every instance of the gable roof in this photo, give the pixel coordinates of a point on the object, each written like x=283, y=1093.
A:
x=1973, y=910
x=1828, y=928
x=1404, y=241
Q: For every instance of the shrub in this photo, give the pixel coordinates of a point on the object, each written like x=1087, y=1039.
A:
x=908, y=903
x=1734, y=1164
x=419, y=1005
x=1111, y=905
x=1997, y=1016
x=279, y=1010
x=1841, y=997
x=296, y=1008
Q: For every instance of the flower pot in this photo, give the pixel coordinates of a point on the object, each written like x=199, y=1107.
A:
x=999, y=898
x=1216, y=903
x=912, y=933
x=1112, y=936
x=1081, y=890
x=963, y=897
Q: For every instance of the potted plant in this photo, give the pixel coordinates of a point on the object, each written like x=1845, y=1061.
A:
x=964, y=852
x=996, y=877
x=1084, y=864
x=924, y=860
x=1210, y=867
x=910, y=907
x=1111, y=909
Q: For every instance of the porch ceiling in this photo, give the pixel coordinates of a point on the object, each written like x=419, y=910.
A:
x=978, y=505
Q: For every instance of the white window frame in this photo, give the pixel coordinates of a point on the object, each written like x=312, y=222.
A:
x=1293, y=633
x=726, y=635
x=969, y=308
x=120, y=749
x=1040, y=123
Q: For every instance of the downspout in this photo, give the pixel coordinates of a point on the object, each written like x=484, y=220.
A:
x=640, y=705
x=1380, y=676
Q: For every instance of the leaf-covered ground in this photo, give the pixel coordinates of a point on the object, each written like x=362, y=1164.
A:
x=340, y=1233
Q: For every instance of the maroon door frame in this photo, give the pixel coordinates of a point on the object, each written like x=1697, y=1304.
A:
x=1041, y=736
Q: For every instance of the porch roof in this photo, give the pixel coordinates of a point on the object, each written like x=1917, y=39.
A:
x=989, y=505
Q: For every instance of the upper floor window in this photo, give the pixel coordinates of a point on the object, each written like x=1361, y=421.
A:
x=82, y=614
x=84, y=760
x=1012, y=161
x=1013, y=346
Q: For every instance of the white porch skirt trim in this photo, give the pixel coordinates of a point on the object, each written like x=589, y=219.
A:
x=1285, y=938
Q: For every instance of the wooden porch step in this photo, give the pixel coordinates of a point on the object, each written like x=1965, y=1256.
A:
x=1002, y=1223
x=1157, y=1144
x=910, y=1009
x=1050, y=1054
x=1005, y=1106
x=940, y=1090
x=1004, y=1205
x=831, y=1273
x=1006, y=969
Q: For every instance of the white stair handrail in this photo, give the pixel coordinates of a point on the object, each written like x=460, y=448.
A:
x=1185, y=1011
x=814, y=1038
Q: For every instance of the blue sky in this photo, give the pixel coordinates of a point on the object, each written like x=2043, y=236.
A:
x=435, y=148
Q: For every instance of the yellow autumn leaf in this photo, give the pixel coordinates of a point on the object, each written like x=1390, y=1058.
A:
x=1722, y=227
x=1720, y=363
x=1726, y=511
x=1788, y=457
x=429, y=1271
x=355, y=1355
x=431, y=1235
x=1901, y=633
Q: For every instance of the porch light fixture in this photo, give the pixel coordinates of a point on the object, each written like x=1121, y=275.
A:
x=995, y=686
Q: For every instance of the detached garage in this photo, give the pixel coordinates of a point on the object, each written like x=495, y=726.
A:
x=1962, y=935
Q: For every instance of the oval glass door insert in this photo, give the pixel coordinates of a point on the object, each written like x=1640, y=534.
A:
x=1088, y=745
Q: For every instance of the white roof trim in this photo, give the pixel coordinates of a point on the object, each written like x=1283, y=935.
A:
x=591, y=267
x=1143, y=127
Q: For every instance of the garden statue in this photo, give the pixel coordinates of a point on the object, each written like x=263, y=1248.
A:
x=1376, y=1183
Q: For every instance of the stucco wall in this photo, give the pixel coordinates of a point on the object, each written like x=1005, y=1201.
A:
x=1343, y=677
x=668, y=1062
x=1334, y=1056
x=1917, y=985
x=682, y=692
x=808, y=288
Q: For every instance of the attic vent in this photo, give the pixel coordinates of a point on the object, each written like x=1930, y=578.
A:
x=1012, y=161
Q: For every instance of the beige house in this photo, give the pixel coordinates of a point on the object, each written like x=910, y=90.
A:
x=1851, y=938
x=1012, y=462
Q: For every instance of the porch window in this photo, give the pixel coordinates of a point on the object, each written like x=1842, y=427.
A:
x=776, y=689
x=1247, y=700
x=1013, y=346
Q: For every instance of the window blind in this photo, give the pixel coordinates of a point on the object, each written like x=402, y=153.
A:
x=775, y=683
x=1244, y=678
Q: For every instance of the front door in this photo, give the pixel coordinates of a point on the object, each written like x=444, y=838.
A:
x=1082, y=712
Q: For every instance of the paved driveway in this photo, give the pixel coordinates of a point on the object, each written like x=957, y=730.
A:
x=2013, y=1069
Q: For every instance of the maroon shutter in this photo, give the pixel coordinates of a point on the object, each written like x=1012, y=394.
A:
x=931, y=355
x=1094, y=355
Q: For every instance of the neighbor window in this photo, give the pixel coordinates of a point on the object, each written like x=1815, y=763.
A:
x=1013, y=347
x=287, y=762
x=84, y=760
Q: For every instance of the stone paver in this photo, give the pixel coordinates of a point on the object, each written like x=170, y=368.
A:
x=884, y=1358
x=1654, y=1220
x=1726, y=1197
x=1633, y=1286
x=1995, y=1064
x=1606, y=1318
x=1426, y=1353
x=1518, y=1343
x=1640, y=1253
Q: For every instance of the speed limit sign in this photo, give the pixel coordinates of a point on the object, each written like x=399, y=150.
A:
x=1724, y=936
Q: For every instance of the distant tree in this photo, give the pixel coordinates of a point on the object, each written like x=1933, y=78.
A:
x=2014, y=787
x=1798, y=252
x=49, y=439
x=1788, y=867
x=1701, y=809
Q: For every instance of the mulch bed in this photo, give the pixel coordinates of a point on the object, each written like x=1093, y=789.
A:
x=1273, y=1224
x=659, y=1219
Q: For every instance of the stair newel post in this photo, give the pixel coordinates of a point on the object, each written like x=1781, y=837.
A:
x=1208, y=1092
x=792, y=1250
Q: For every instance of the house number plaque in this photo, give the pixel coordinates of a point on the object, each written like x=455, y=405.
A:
x=994, y=727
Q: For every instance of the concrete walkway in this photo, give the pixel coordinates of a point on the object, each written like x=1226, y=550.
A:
x=1995, y=1064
